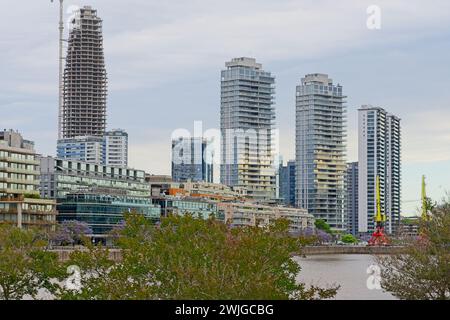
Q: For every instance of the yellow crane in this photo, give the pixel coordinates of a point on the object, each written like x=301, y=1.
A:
x=379, y=217
x=425, y=215
x=378, y=237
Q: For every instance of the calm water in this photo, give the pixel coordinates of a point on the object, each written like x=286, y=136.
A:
x=348, y=270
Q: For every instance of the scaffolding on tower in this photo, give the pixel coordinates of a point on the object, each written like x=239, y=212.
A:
x=379, y=238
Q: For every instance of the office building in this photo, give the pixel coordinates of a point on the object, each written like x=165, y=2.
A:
x=190, y=161
x=102, y=212
x=321, y=149
x=98, y=195
x=61, y=177
x=19, y=181
x=247, y=128
x=351, y=203
x=287, y=183
x=84, y=149
x=84, y=79
x=379, y=155
x=110, y=149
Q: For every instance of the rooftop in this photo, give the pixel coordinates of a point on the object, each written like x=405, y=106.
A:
x=243, y=62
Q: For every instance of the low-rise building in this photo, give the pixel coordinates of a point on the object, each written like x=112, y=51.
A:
x=61, y=177
x=409, y=227
x=103, y=212
x=198, y=208
x=20, y=202
x=254, y=214
x=212, y=191
x=96, y=194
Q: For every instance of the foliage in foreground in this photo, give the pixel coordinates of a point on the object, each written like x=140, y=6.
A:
x=188, y=258
x=25, y=264
x=423, y=271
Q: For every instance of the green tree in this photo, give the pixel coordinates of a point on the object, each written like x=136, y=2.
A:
x=25, y=264
x=349, y=238
x=323, y=225
x=423, y=271
x=188, y=258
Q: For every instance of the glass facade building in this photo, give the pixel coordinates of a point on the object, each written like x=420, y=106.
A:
x=287, y=184
x=190, y=161
x=103, y=212
x=110, y=149
x=86, y=149
x=247, y=128
x=351, y=201
x=321, y=149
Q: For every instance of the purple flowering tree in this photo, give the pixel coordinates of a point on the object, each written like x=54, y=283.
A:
x=70, y=232
x=314, y=236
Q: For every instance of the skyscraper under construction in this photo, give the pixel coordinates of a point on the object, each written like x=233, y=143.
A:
x=85, y=80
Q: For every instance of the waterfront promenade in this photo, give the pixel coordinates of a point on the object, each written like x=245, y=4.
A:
x=115, y=254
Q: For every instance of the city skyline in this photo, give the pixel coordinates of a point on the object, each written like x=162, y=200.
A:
x=391, y=84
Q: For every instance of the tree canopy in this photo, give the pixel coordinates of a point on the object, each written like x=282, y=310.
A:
x=423, y=271
x=322, y=225
x=25, y=264
x=188, y=258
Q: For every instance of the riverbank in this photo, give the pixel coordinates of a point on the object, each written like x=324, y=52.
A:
x=344, y=249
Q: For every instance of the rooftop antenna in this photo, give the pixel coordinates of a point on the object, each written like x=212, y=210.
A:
x=61, y=58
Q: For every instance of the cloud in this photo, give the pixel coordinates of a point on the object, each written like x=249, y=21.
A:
x=289, y=30
x=426, y=136
x=153, y=48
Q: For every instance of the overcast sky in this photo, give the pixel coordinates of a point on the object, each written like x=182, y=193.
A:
x=164, y=60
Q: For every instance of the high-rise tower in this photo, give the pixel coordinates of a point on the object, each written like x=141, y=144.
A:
x=320, y=149
x=246, y=122
x=85, y=79
x=351, y=202
x=379, y=155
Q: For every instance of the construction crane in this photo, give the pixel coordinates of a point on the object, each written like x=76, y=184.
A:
x=425, y=214
x=379, y=237
x=61, y=58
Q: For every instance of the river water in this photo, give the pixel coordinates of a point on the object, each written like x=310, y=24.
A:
x=348, y=270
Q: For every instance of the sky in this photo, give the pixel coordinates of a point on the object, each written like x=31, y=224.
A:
x=163, y=60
